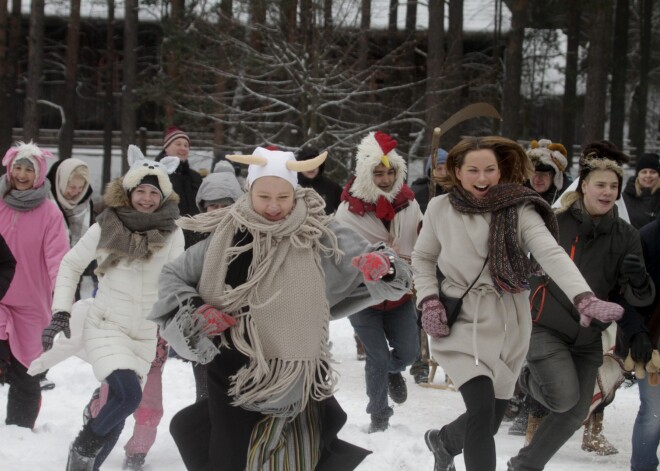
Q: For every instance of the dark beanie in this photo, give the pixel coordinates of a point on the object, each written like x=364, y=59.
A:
x=651, y=161
x=149, y=180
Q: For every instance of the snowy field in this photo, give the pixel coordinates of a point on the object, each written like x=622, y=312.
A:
x=399, y=448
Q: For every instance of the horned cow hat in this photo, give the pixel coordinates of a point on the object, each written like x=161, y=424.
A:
x=374, y=149
x=276, y=163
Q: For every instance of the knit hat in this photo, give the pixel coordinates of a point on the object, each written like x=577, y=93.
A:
x=377, y=148
x=30, y=152
x=547, y=156
x=440, y=159
x=172, y=134
x=651, y=161
x=269, y=163
x=602, y=155
x=150, y=172
x=217, y=187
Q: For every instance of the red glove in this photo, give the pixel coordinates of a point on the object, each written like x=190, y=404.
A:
x=590, y=307
x=373, y=265
x=434, y=318
x=216, y=320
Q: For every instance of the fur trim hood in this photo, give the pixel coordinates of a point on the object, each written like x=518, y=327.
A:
x=377, y=148
x=116, y=196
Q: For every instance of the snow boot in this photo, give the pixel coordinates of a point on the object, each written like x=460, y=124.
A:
x=593, y=438
x=396, y=387
x=533, y=423
x=135, y=462
x=519, y=425
x=361, y=353
x=444, y=461
x=378, y=424
x=84, y=449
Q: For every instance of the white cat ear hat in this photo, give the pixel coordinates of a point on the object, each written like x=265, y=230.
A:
x=275, y=163
x=141, y=167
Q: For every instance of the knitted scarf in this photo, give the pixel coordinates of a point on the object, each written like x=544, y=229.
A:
x=509, y=266
x=23, y=200
x=282, y=309
x=132, y=235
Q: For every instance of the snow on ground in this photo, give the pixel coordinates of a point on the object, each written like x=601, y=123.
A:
x=399, y=448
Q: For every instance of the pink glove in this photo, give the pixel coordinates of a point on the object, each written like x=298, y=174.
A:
x=434, y=317
x=373, y=265
x=590, y=307
x=216, y=320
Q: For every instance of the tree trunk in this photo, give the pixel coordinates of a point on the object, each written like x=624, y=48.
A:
x=511, y=102
x=35, y=65
x=108, y=99
x=411, y=17
x=392, y=21
x=569, y=102
x=288, y=14
x=172, y=66
x=327, y=14
x=434, y=62
x=6, y=119
x=258, y=19
x=128, y=106
x=453, y=69
x=598, y=61
x=365, y=24
x=225, y=25
x=72, y=48
x=638, y=121
x=618, y=86
x=8, y=74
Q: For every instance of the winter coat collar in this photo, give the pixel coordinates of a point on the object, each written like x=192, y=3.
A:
x=383, y=208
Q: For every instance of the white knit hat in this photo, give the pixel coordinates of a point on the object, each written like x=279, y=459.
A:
x=377, y=148
x=545, y=153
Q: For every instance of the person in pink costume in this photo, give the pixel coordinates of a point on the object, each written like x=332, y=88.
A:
x=34, y=229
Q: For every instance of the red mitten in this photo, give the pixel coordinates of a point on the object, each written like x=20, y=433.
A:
x=216, y=320
x=434, y=317
x=590, y=307
x=373, y=265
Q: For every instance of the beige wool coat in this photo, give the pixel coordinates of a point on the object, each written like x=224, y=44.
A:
x=491, y=335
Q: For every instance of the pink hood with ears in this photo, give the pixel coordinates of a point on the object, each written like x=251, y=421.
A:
x=34, y=154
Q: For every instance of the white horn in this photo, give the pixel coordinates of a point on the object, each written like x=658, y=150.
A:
x=248, y=159
x=307, y=165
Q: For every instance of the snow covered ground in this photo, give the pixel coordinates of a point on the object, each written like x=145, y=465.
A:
x=399, y=448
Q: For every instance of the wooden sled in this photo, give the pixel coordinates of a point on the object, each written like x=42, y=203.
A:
x=449, y=386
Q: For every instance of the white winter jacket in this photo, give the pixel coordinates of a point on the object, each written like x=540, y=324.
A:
x=116, y=332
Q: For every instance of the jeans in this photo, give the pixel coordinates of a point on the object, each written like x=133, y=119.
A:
x=376, y=328
x=646, y=432
x=124, y=398
x=560, y=376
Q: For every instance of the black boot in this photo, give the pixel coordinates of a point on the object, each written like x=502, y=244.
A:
x=84, y=449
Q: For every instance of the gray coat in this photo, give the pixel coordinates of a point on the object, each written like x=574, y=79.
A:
x=346, y=291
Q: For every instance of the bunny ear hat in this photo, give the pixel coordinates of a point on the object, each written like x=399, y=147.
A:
x=30, y=151
x=140, y=167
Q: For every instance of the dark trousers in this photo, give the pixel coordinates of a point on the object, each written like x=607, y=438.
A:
x=561, y=376
x=473, y=431
x=24, y=396
x=125, y=394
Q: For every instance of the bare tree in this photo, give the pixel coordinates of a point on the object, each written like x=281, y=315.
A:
x=365, y=25
x=511, y=101
x=171, y=58
x=411, y=17
x=225, y=25
x=71, y=71
x=108, y=99
x=434, y=63
x=129, y=83
x=569, y=101
x=5, y=92
x=640, y=99
x=598, y=62
x=453, y=69
x=35, y=64
x=618, y=86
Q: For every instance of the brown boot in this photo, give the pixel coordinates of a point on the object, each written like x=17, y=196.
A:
x=533, y=423
x=361, y=354
x=593, y=438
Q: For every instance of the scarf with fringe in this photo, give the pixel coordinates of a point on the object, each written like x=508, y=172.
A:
x=282, y=310
x=129, y=234
x=509, y=266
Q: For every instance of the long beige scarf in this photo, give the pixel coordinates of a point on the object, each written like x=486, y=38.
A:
x=282, y=309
